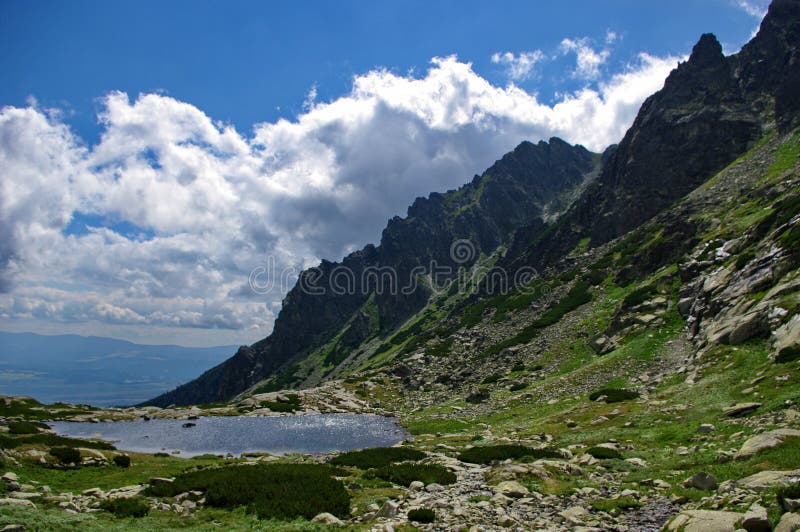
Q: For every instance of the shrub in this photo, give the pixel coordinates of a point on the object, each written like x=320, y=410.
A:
x=517, y=386
x=788, y=354
x=25, y=427
x=638, y=296
x=376, y=457
x=603, y=453
x=272, y=491
x=491, y=453
x=66, y=455
x=494, y=377
x=126, y=507
x=51, y=440
x=519, y=366
x=614, y=395
x=277, y=406
x=122, y=460
x=405, y=474
x=422, y=515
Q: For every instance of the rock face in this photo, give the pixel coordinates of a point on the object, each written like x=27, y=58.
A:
x=765, y=440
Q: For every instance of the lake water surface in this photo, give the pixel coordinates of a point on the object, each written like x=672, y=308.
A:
x=236, y=435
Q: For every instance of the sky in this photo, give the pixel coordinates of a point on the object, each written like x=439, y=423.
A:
x=158, y=157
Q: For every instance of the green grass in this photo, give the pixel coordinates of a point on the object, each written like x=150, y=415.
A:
x=272, y=491
x=613, y=395
x=611, y=505
x=376, y=457
x=25, y=427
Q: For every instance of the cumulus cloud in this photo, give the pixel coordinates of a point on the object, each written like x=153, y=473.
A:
x=518, y=66
x=588, y=59
x=209, y=205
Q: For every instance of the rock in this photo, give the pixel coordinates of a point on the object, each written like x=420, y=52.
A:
x=701, y=481
x=478, y=396
x=705, y=428
x=575, y=515
x=602, y=344
x=416, y=485
x=791, y=505
x=787, y=340
x=638, y=462
x=512, y=488
x=10, y=477
x=160, y=480
x=789, y=523
x=327, y=519
x=685, y=306
x=703, y=521
x=765, y=440
x=737, y=329
x=765, y=480
x=741, y=409
x=17, y=502
x=94, y=492
x=389, y=509
x=13, y=528
x=755, y=519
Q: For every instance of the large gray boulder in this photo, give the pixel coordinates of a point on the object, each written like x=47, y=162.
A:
x=765, y=440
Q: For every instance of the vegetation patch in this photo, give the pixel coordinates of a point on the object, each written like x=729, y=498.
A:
x=25, y=427
x=126, y=507
x=122, y=460
x=51, y=440
x=404, y=474
x=272, y=491
x=66, y=455
x=487, y=454
x=788, y=354
x=614, y=395
x=603, y=453
x=422, y=515
x=610, y=505
x=792, y=491
x=376, y=457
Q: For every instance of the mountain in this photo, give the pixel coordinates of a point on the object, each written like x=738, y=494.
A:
x=547, y=209
x=522, y=186
x=94, y=370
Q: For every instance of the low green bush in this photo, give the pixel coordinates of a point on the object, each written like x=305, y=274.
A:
x=792, y=491
x=491, y=379
x=272, y=491
x=491, y=453
x=603, y=453
x=376, y=457
x=614, y=395
x=622, y=503
x=51, y=440
x=519, y=366
x=788, y=354
x=517, y=386
x=126, y=507
x=25, y=427
x=404, y=474
x=66, y=455
x=422, y=515
x=122, y=460
x=277, y=406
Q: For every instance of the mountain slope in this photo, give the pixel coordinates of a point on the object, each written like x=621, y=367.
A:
x=516, y=190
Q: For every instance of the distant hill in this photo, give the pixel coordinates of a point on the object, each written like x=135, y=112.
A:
x=97, y=371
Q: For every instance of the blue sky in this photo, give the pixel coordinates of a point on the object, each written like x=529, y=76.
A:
x=247, y=62
x=156, y=154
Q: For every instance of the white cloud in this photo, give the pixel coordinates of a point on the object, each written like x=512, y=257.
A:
x=212, y=203
x=518, y=67
x=754, y=8
x=589, y=60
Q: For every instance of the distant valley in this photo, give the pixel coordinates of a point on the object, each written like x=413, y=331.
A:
x=97, y=371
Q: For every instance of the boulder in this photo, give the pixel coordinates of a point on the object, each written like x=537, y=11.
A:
x=701, y=481
x=755, y=519
x=327, y=519
x=765, y=440
x=705, y=428
x=789, y=523
x=512, y=488
x=17, y=502
x=389, y=509
x=741, y=409
x=602, y=344
x=703, y=521
x=575, y=515
x=765, y=480
x=787, y=340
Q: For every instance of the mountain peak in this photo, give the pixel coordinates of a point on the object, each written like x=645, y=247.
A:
x=707, y=51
